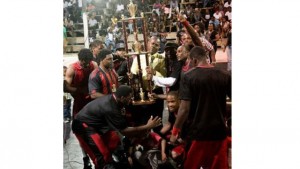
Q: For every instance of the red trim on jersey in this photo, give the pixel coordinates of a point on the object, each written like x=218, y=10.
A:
x=108, y=75
x=209, y=154
x=101, y=146
x=103, y=81
x=87, y=149
x=205, y=66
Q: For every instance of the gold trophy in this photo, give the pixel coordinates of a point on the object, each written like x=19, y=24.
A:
x=137, y=46
x=132, y=8
x=142, y=95
x=114, y=20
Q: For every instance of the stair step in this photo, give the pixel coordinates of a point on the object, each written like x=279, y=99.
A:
x=74, y=48
x=75, y=40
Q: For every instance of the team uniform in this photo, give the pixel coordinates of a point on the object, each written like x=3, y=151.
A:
x=206, y=88
x=80, y=80
x=103, y=82
x=96, y=125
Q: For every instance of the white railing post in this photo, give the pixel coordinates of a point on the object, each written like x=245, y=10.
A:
x=85, y=30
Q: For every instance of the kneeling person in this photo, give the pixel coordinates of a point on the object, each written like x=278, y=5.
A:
x=97, y=124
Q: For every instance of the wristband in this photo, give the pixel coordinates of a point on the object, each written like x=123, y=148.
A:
x=185, y=23
x=175, y=131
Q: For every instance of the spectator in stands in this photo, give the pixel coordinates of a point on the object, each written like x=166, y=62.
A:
x=174, y=24
x=110, y=39
x=162, y=38
x=212, y=36
x=227, y=4
x=69, y=26
x=179, y=36
x=65, y=43
x=96, y=46
x=189, y=11
x=206, y=18
x=120, y=7
x=173, y=7
x=90, y=7
x=66, y=11
x=76, y=13
x=218, y=14
x=227, y=48
x=197, y=15
x=197, y=29
x=228, y=13
x=154, y=20
x=157, y=7
x=225, y=24
x=206, y=3
x=93, y=25
x=154, y=32
x=214, y=21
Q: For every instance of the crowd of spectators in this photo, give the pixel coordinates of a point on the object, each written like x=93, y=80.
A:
x=161, y=17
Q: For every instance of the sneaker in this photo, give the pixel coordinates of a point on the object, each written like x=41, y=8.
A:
x=67, y=120
x=86, y=163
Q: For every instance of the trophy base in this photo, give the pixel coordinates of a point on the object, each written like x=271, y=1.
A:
x=144, y=102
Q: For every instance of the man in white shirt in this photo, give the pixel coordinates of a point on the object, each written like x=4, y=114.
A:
x=218, y=15
x=228, y=14
x=227, y=4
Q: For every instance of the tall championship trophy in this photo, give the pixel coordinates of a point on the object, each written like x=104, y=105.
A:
x=132, y=8
x=140, y=89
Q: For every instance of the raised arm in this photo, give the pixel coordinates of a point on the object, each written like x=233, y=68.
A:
x=190, y=30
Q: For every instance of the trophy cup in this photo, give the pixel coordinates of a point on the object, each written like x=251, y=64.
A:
x=114, y=20
x=137, y=46
x=142, y=95
x=132, y=8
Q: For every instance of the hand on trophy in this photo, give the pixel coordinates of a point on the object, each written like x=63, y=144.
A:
x=149, y=76
x=152, y=95
x=181, y=17
x=150, y=72
x=130, y=75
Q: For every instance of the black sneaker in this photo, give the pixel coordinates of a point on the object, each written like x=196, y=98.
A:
x=67, y=120
x=86, y=163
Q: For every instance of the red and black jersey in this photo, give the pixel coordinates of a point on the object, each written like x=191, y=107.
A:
x=80, y=80
x=206, y=88
x=102, y=82
x=81, y=76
